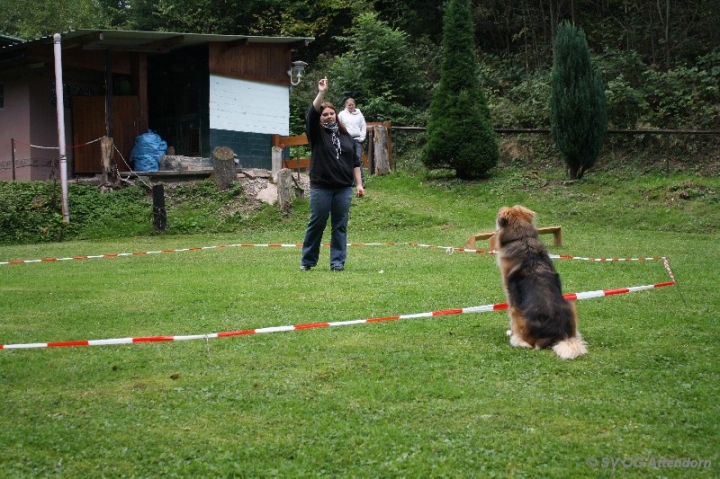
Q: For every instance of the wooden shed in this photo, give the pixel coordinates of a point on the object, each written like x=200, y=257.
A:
x=196, y=91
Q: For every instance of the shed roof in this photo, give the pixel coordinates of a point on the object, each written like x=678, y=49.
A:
x=8, y=40
x=148, y=42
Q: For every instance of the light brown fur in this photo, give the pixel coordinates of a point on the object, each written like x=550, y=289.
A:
x=540, y=317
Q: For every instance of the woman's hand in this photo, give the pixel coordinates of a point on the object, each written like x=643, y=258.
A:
x=323, y=85
x=322, y=88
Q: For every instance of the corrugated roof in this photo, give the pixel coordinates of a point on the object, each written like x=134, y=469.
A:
x=150, y=42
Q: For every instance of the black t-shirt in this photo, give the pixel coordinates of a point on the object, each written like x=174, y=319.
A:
x=326, y=170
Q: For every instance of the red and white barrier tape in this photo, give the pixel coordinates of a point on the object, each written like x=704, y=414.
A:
x=296, y=327
x=448, y=249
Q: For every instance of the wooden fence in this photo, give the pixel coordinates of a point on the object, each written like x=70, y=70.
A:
x=368, y=157
x=302, y=164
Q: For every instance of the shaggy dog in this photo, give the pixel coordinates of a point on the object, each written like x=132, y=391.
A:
x=540, y=317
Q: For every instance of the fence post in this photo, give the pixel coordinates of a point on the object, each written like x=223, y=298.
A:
x=380, y=150
x=12, y=145
x=276, y=160
x=159, y=213
x=108, y=172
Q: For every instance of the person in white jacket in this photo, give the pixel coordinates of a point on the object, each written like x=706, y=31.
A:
x=354, y=122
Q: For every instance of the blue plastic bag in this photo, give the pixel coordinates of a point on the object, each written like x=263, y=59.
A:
x=148, y=149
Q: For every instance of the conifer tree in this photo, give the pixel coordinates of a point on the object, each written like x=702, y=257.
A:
x=578, y=116
x=460, y=133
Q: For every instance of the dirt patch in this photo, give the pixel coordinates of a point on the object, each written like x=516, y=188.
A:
x=254, y=185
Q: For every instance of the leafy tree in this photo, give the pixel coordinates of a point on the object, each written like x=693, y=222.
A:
x=578, y=117
x=418, y=18
x=460, y=133
x=29, y=19
x=379, y=70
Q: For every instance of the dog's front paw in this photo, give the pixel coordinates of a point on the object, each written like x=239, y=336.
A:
x=518, y=343
x=508, y=332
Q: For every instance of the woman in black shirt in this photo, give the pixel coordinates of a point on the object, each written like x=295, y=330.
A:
x=333, y=170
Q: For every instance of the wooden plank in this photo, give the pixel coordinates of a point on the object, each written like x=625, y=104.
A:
x=471, y=242
x=293, y=164
x=298, y=140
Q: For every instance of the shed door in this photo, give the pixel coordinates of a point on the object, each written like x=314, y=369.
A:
x=89, y=125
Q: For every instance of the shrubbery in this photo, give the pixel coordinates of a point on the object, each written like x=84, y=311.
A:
x=638, y=97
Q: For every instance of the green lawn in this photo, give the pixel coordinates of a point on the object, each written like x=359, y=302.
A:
x=442, y=396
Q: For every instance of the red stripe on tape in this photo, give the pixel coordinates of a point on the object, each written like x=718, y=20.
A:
x=67, y=344
x=447, y=311
x=153, y=339
x=610, y=292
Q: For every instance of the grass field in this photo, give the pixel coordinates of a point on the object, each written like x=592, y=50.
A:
x=442, y=396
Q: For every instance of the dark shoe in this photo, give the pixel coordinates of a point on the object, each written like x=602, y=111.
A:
x=337, y=268
x=305, y=268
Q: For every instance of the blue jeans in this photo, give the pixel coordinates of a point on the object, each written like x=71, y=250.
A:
x=324, y=203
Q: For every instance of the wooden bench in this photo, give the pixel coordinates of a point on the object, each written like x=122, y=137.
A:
x=490, y=236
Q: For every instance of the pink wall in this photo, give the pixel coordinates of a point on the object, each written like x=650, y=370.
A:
x=43, y=128
x=14, y=123
x=30, y=117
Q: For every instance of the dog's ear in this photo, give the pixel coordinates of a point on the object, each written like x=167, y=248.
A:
x=524, y=213
x=501, y=220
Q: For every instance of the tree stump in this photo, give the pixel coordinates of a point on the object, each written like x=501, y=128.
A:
x=285, y=189
x=381, y=157
x=224, y=167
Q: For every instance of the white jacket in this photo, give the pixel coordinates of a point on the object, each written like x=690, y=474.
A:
x=355, y=123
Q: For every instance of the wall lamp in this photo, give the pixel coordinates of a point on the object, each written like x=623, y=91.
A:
x=298, y=68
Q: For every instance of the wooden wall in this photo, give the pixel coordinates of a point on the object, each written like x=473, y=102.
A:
x=89, y=125
x=266, y=62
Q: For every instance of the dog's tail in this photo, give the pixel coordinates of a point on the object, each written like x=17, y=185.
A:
x=570, y=348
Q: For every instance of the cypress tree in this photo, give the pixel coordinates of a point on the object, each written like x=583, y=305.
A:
x=460, y=133
x=578, y=116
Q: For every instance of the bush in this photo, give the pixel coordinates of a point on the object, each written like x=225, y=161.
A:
x=578, y=118
x=460, y=133
x=379, y=71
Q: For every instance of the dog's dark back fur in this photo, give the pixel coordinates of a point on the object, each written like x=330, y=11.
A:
x=532, y=284
x=534, y=288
